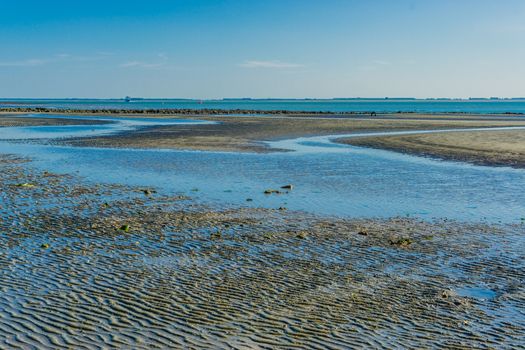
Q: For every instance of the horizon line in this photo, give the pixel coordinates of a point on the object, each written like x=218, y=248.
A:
x=494, y=98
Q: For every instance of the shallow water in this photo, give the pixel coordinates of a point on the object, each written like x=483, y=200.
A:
x=328, y=178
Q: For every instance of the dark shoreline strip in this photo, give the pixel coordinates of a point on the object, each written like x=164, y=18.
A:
x=207, y=111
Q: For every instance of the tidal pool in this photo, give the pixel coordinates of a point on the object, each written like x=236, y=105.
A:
x=328, y=178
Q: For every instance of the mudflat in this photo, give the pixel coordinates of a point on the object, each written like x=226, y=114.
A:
x=497, y=148
x=89, y=264
x=15, y=120
x=247, y=134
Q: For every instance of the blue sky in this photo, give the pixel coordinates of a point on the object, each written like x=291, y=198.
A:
x=271, y=48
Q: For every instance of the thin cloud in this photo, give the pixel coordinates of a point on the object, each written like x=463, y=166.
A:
x=140, y=64
x=24, y=63
x=270, y=64
x=161, y=63
x=78, y=58
x=381, y=63
x=374, y=65
x=58, y=58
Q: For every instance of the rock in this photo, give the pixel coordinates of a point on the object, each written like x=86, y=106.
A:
x=124, y=228
x=362, y=232
x=216, y=235
x=287, y=187
x=25, y=185
x=302, y=235
x=270, y=191
x=282, y=208
x=401, y=242
x=249, y=200
x=44, y=246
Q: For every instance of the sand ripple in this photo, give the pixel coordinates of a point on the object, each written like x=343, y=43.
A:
x=187, y=277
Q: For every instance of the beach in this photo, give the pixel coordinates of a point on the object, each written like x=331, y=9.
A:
x=249, y=134
x=132, y=267
x=87, y=262
x=501, y=148
x=18, y=120
x=273, y=174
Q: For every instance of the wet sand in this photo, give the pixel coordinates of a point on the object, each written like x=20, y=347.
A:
x=16, y=120
x=495, y=148
x=247, y=134
x=87, y=264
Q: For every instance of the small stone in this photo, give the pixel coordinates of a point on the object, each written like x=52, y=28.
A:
x=44, y=246
x=27, y=185
x=402, y=242
x=124, y=228
x=287, y=187
x=363, y=232
x=302, y=235
x=216, y=235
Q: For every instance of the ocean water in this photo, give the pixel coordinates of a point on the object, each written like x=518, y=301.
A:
x=329, y=178
x=329, y=105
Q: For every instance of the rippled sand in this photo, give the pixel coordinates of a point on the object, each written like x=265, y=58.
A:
x=87, y=266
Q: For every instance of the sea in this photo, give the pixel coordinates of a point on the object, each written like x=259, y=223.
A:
x=379, y=105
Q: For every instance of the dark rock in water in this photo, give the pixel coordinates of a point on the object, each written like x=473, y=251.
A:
x=44, y=246
x=282, y=208
x=27, y=185
x=249, y=200
x=216, y=235
x=301, y=235
x=124, y=228
x=270, y=191
x=287, y=187
x=401, y=242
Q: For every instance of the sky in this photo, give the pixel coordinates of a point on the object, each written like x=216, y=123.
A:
x=260, y=49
